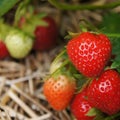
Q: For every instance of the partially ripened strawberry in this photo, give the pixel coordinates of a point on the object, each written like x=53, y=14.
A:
x=89, y=53
x=80, y=106
x=104, y=92
x=3, y=50
x=46, y=36
x=59, y=91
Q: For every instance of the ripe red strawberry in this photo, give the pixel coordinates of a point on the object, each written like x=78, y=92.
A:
x=46, y=36
x=89, y=53
x=59, y=91
x=3, y=50
x=80, y=106
x=104, y=92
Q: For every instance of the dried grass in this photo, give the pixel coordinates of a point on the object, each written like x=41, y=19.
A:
x=21, y=88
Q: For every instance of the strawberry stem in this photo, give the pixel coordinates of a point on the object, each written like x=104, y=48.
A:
x=57, y=71
x=59, y=56
x=87, y=25
x=113, y=35
x=65, y=6
x=21, y=10
x=84, y=85
x=112, y=117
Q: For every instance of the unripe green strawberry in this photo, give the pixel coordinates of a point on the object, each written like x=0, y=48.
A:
x=18, y=44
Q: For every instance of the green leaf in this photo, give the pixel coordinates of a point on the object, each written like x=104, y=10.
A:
x=110, y=23
x=116, y=63
x=21, y=10
x=6, y=5
x=4, y=29
x=110, y=26
x=41, y=15
x=80, y=79
x=116, y=52
x=32, y=23
x=95, y=112
x=92, y=112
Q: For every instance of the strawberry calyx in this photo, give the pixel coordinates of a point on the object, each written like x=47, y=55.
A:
x=31, y=21
x=71, y=35
x=95, y=112
x=85, y=26
x=59, y=59
x=63, y=69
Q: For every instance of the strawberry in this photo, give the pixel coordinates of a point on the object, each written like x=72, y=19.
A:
x=104, y=92
x=45, y=36
x=59, y=91
x=3, y=50
x=89, y=53
x=18, y=43
x=80, y=106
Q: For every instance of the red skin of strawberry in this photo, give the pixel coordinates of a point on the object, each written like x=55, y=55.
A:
x=59, y=91
x=80, y=106
x=89, y=53
x=3, y=50
x=104, y=93
x=46, y=36
x=21, y=22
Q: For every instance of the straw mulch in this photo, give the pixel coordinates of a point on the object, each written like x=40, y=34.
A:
x=21, y=96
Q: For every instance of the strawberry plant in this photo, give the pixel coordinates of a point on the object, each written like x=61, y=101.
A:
x=42, y=27
x=5, y=6
x=85, y=77
x=94, y=57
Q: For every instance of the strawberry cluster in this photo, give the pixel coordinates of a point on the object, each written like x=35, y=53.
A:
x=30, y=33
x=89, y=53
